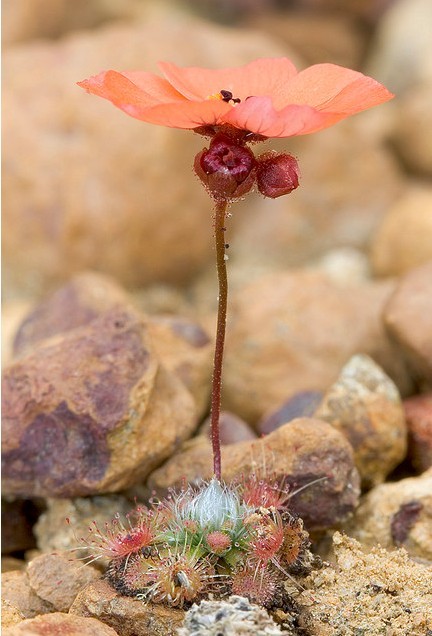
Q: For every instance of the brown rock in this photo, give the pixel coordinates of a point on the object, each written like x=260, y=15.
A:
x=232, y=429
x=59, y=623
x=72, y=201
x=57, y=579
x=85, y=297
x=128, y=616
x=418, y=413
x=103, y=427
x=404, y=239
x=17, y=591
x=181, y=344
x=408, y=318
x=297, y=454
x=284, y=337
x=412, y=129
x=397, y=514
x=371, y=592
x=364, y=405
x=10, y=615
x=65, y=521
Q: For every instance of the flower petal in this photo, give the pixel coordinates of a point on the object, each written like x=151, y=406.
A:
x=133, y=88
x=186, y=114
x=328, y=87
x=258, y=115
x=265, y=76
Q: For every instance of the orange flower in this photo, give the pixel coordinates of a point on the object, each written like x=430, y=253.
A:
x=268, y=97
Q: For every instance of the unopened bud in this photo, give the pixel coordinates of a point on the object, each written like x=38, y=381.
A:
x=227, y=168
x=277, y=174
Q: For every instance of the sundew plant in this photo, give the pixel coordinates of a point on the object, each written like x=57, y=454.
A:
x=224, y=538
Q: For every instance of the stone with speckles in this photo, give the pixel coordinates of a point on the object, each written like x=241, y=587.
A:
x=91, y=411
x=59, y=623
x=365, y=405
x=397, y=515
x=128, y=616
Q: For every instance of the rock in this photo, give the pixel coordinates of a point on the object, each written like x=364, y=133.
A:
x=103, y=427
x=17, y=518
x=10, y=615
x=25, y=20
x=235, y=615
x=128, y=616
x=72, y=201
x=232, y=429
x=373, y=593
x=403, y=241
x=13, y=313
x=302, y=404
x=418, y=414
x=411, y=132
x=284, y=336
x=85, y=297
x=186, y=350
x=53, y=18
x=181, y=343
x=345, y=265
x=9, y=564
x=59, y=623
x=17, y=591
x=397, y=514
x=296, y=455
x=57, y=579
x=364, y=9
x=408, y=318
x=65, y=521
x=364, y=405
x=401, y=55
x=318, y=37
x=339, y=203
x=164, y=299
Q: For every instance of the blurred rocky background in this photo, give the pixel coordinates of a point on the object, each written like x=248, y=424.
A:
x=108, y=269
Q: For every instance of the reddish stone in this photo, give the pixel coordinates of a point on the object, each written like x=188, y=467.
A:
x=418, y=413
x=408, y=318
x=302, y=404
x=90, y=411
x=232, y=429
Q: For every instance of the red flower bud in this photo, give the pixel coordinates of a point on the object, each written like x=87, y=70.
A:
x=227, y=168
x=277, y=174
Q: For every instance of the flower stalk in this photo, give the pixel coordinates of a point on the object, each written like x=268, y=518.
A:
x=220, y=245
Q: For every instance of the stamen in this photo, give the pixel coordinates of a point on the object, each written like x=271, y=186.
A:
x=225, y=96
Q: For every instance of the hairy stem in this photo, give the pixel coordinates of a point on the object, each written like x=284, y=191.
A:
x=219, y=225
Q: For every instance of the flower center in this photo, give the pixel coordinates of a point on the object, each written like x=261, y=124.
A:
x=225, y=96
